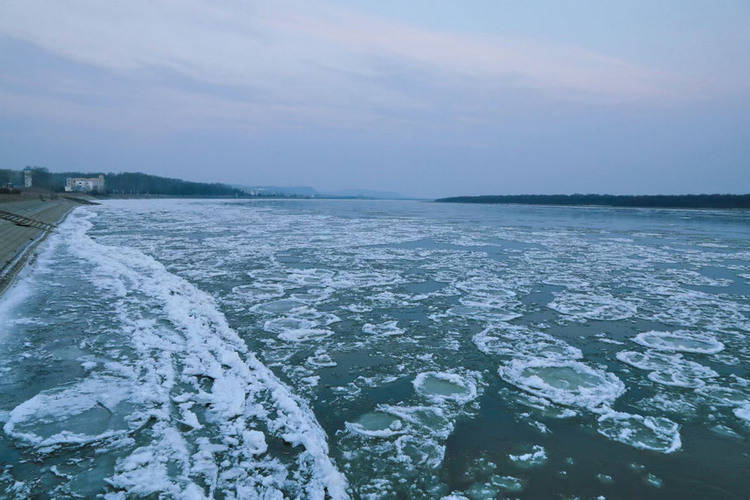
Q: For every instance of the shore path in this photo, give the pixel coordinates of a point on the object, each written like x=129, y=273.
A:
x=17, y=242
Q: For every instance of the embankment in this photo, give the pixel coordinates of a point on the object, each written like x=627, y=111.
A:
x=35, y=218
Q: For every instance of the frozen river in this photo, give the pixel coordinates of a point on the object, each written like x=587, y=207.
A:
x=379, y=349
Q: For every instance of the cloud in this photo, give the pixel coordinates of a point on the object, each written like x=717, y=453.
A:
x=311, y=61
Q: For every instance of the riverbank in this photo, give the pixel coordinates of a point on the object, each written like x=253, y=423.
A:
x=19, y=239
x=700, y=201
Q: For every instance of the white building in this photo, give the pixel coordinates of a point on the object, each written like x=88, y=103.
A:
x=85, y=184
x=27, y=177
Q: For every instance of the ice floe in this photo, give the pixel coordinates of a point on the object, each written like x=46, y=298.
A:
x=557, y=376
x=383, y=329
x=296, y=329
x=605, y=478
x=514, y=341
x=668, y=369
x=376, y=424
x=544, y=407
x=743, y=413
x=495, y=485
x=279, y=306
x=647, y=433
x=583, y=306
x=409, y=438
x=535, y=457
x=443, y=386
x=569, y=383
x=680, y=340
x=321, y=359
x=733, y=395
x=653, y=480
x=726, y=431
x=485, y=307
x=94, y=409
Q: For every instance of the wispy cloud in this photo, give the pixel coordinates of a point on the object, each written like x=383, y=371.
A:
x=314, y=60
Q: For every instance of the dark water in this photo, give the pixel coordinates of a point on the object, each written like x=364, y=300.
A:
x=380, y=349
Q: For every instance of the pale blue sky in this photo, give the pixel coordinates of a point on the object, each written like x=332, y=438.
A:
x=427, y=98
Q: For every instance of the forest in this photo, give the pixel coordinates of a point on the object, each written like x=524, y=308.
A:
x=125, y=183
x=657, y=201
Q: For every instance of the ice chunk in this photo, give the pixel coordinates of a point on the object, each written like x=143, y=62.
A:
x=304, y=324
x=743, y=413
x=535, y=457
x=285, y=324
x=495, y=305
x=544, y=407
x=432, y=419
x=582, y=307
x=258, y=291
x=376, y=424
x=486, y=311
x=652, y=480
x=304, y=334
x=732, y=395
x=255, y=442
x=383, y=329
x=278, y=306
x=668, y=369
x=496, y=485
x=680, y=340
x=321, y=360
x=647, y=433
x=443, y=386
x=569, y=383
x=725, y=431
x=515, y=341
x=605, y=478
x=91, y=410
x=507, y=483
x=683, y=404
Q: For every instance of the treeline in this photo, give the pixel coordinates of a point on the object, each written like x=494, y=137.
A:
x=12, y=177
x=122, y=183
x=41, y=178
x=137, y=183
x=656, y=201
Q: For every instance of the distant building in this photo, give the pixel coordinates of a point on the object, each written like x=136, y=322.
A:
x=85, y=184
x=27, y=177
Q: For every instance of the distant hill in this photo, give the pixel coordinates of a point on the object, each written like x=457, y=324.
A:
x=656, y=201
x=304, y=191
x=309, y=192
x=125, y=183
x=366, y=193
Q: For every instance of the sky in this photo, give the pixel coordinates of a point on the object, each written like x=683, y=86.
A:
x=426, y=98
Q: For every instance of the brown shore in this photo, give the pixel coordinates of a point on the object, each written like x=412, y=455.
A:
x=36, y=214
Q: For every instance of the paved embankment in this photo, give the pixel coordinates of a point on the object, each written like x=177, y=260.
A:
x=18, y=241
